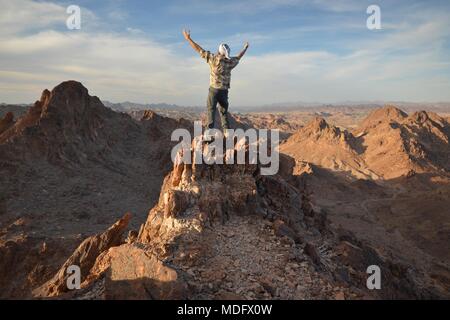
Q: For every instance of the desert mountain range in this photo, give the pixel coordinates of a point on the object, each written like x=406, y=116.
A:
x=83, y=184
x=388, y=144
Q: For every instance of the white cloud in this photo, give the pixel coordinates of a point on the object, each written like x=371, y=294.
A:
x=130, y=66
x=115, y=66
x=21, y=15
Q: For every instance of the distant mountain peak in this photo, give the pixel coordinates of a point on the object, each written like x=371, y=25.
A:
x=388, y=112
x=379, y=116
x=70, y=86
x=319, y=127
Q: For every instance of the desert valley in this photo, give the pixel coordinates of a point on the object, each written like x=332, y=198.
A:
x=91, y=185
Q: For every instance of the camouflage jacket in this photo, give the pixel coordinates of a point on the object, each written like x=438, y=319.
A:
x=220, y=76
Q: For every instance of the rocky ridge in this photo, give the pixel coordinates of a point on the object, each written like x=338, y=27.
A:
x=226, y=232
x=68, y=167
x=388, y=144
x=215, y=231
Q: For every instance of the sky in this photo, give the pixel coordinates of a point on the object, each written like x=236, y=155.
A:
x=310, y=51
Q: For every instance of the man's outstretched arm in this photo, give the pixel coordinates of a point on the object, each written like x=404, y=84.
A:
x=241, y=54
x=195, y=46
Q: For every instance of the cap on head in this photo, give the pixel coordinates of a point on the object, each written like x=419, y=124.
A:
x=224, y=50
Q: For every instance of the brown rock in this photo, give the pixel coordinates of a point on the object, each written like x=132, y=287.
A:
x=84, y=257
x=132, y=273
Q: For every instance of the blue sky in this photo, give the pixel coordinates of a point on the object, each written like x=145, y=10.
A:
x=300, y=50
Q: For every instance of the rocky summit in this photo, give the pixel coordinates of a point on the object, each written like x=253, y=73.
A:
x=82, y=185
x=226, y=232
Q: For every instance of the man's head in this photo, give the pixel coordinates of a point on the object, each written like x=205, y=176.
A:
x=224, y=50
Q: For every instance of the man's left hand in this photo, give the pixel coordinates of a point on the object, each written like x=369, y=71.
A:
x=187, y=34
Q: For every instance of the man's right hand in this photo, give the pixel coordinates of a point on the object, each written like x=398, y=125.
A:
x=187, y=34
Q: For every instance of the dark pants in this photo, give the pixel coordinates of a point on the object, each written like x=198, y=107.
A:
x=217, y=96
